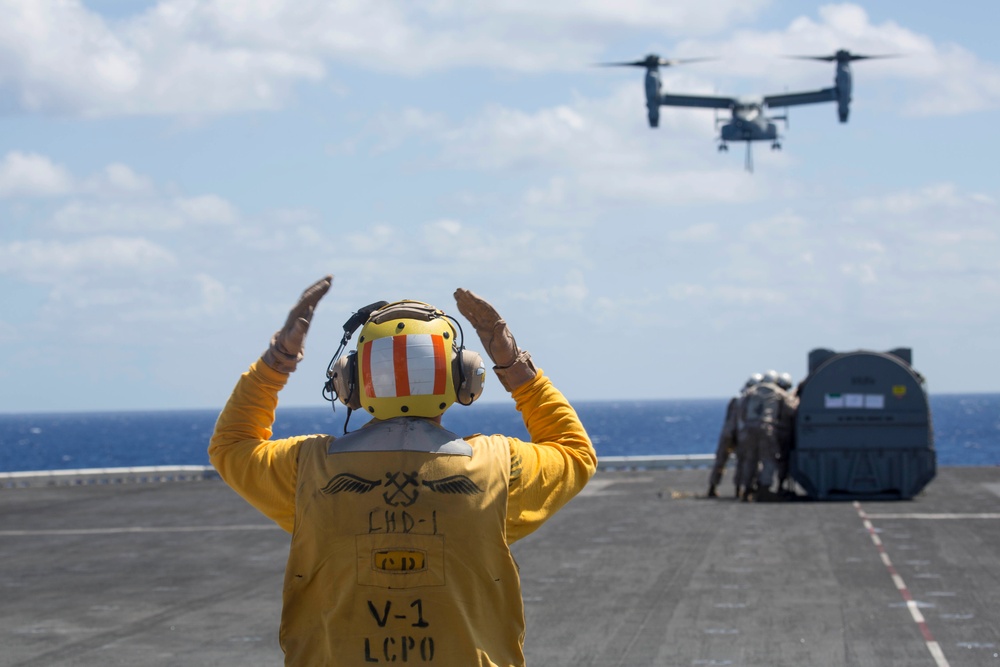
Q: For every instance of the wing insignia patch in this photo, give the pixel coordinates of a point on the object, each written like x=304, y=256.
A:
x=453, y=484
x=345, y=481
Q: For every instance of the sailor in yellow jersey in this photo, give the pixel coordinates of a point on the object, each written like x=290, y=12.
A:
x=400, y=530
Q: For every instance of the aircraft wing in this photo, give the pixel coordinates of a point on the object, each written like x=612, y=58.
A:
x=794, y=99
x=703, y=101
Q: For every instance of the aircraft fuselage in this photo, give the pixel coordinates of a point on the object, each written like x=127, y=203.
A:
x=749, y=123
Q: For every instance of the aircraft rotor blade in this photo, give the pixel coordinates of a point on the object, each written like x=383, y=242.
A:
x=636, y=63
x=670, y=62
x=884, y=55
x=843, y=56
x=652, y=61
x=822, y=58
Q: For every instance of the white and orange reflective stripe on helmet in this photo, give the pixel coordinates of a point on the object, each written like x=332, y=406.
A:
x=405, y=365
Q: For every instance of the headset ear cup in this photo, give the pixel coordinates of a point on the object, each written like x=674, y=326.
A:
x=469, y=373
x=345, y=380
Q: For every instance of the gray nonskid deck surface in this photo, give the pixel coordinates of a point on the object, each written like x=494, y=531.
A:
x=637, y=571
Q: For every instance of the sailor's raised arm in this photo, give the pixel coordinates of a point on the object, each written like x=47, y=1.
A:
x=261, y=470
x=560, y=458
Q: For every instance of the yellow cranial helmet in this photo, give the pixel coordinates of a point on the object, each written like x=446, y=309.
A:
x=406, y=362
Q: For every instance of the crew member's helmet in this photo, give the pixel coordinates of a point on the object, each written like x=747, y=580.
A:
x=756, y=378
x=785, y=380
x=771, y=376
x=408, y=363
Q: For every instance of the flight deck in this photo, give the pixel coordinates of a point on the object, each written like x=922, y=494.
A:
x=639, y=570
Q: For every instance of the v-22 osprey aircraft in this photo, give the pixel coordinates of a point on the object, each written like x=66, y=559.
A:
x=749, y=121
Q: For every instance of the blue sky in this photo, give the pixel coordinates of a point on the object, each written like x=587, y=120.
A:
x=173, y=174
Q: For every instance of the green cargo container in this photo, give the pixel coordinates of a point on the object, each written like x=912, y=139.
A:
x=863, y=427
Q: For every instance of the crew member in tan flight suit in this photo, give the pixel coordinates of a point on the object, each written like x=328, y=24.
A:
x=786, y=434
x=729, y=441
x=400, y=530
x=765, y=423
x=743, y=477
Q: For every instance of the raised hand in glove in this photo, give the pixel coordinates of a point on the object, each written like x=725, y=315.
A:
x=288, y=343
x=512, y=365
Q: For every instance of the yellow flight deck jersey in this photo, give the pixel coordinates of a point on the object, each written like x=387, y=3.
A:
x=400, y=529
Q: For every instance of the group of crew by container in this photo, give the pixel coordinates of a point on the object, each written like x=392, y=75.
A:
x=857, y=427
x=758, y=430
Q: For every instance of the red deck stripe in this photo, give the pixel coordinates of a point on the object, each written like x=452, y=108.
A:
x=932, y=645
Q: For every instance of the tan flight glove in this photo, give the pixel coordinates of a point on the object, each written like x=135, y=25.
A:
x=288, y=344
x=512, y=365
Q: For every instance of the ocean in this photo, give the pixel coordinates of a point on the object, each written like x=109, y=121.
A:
x=966, y=431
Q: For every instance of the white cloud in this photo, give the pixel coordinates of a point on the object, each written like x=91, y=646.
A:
x=932, y=197
x=389, y=131
x=665, y=15
x=114, y=199
x=196, y=297
x=59, y=57
x=949, y=79
x=747, y=295
x=54, y=261
x=445, y=226
x=379, y=237
x=782, y=226
x=571, y=294
x=117, y=180
x=585, y=133
x=222, y=56
x=57, y=52
x=85, y=216
x=186, y=57
x=509, y=138
x=33, y=175
x=675, y=188
x=213, y=293
x=582, y=207
x=600, y=154
x=147, y=214
x=210, y=209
